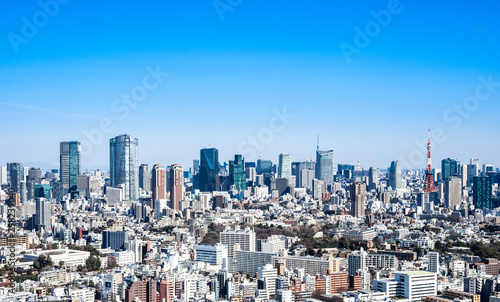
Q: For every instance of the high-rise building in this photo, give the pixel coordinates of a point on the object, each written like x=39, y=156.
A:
x=372, y=178
x=472, y=171
x=69, y=165
x=145, y=177
x=237, y=173
x=482, y=192
x=15, y=174
x=124, y=165
x=34, y=177
x=245, y=238
x=43, y=216
x=358, y=196
x=41, y=191
x=324, y=166
x=305, y=172
x=215, y=254
x=452, y=192
x=264, y=166
x=487, y=168
x=176, y=186
x=209, y=169
x=433, y=262
x=115, y=240
x=285, y=165
x=167, y=290
x=267, y=275
x=395, y=179
x=141, y=290
x=83, y=185
x=450, y=167
x=3, y=175
x=413, y=286
x=159, y=182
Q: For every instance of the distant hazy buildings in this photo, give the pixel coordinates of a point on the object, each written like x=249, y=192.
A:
x=324, y=166
x=69, y=165
x=209, y=169
x=124, y=165
x=395, y=178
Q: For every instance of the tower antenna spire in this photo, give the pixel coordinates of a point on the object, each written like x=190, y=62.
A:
x=429, y=175
x=317, y=145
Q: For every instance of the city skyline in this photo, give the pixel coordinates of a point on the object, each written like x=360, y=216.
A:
x=408, y=77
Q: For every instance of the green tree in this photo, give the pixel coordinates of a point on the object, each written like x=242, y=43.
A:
x=93, y=263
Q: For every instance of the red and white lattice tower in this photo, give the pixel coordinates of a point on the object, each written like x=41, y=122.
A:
x=429, y=176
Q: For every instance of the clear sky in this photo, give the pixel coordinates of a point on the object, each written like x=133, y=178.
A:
x=369, y=77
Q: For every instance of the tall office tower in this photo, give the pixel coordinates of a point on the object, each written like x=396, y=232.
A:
x=305, y=172
x=251, y=173
x=358, y=196
x=450, y=167
x=475, y=161
x=487, y=168
x=159, y=182
x=285, y=165
x=472, y=172
x=83, y=185
x=482, y=191
x=429, y=173
x=237, y=173
x=268, y=274
x=324, y=166
x=124, y=165
x=452, y=192
x=34, y=177
x=264, y=166
x=69, y=165
x=3, y=175
x=23, y=196
x=196, y=166
x=176, y=186
x=43, y=217
x=245, y=238
x=15, y=174
x=319, y=188
x=116, y=240
x=372, y=178
x=42, y=191
x=464, y=175
x=145, y=177
x=433, y=262
x=395, y=179
x=209, y=169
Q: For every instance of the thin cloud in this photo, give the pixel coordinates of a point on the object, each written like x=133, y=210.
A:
x=49, y=110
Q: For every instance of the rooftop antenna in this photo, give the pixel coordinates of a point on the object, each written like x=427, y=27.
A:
x=317, y=145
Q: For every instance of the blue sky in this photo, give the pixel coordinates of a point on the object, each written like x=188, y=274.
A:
x=227, y=76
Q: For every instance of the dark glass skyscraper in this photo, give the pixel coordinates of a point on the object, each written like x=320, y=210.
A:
x=264, y=166
x=69, y=165
x=114, y=240
x=324, y=166
x=15, y=174
x=237, y=173
x=124, y=165
x=209, y=169
x=450, y=167
x=482, y=192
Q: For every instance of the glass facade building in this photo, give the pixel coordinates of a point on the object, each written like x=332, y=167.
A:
x=264, y=166
x=124, y=165
x=324, y=166
x=395, y=178
x=42, y=191
x=15, y=174
x=209, y=169
x=450, y=167
x=482, y=192
x=237, y=173
x=114, y=239
x=285, y=165
x=69, y=165
x=145, y=177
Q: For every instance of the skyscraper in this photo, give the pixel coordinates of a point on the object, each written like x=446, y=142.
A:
x=237, y=173
x=452, y=192
x=159, y=182
x=124, y=165
x=395, y=179
x=372, y=178
x=43, y=217
x=264, y=166
x=450, y=167
x=482, y=192
x=145, y=177
x=34, y=177
x=69, y=159
x=285, y=165
x=358, y=196
x=15, y=174
x=324, y=166
x=176, y=186
x=209, y=169
x=433, y=262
